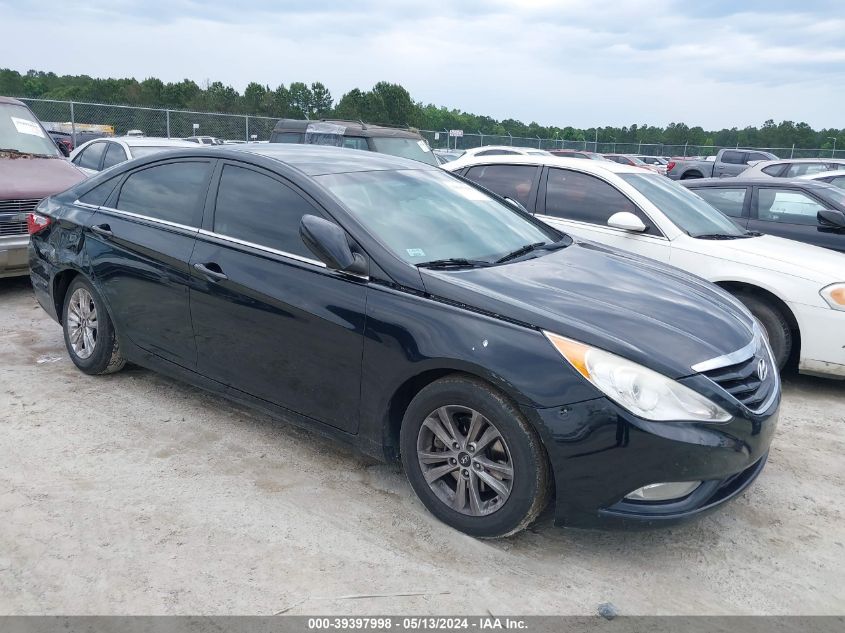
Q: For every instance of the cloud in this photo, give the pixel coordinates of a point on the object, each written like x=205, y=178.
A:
x=578, y=62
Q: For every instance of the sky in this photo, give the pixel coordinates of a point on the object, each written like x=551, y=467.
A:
x=566, y=62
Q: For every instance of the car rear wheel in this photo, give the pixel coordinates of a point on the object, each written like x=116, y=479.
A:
x=473, y=459
x=774, y=323
x=89, y=333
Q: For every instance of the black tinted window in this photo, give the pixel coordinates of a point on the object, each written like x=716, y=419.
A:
x=259, y=209
x=729, y=201
x=509, y=181
x=114, y=155
x=288, y=137
x=774, y=170
x=733, y=158
x=171, y=192
x=99, y=194
x=90, y=157
x=576, y=196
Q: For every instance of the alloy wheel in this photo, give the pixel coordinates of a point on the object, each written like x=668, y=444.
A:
x=465, y=460
x=82, y=323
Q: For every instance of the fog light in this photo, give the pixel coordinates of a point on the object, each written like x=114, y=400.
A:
x=663, y=491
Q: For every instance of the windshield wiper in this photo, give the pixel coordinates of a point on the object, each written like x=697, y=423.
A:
x=11, y=150
x=720, y=236
x=454, y=262
x=522, y=250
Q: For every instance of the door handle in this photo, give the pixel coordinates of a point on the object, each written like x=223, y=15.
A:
x=211, y=273
x=102, y=229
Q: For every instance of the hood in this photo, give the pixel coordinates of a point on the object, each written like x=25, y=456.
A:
x=653, y=314
x=789, y=257
x=23, y=177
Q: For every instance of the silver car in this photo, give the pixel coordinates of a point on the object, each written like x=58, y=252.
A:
x=792, y=167
x=102, y=153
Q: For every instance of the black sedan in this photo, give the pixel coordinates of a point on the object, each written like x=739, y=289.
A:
x=395, y=306
x=804, y=210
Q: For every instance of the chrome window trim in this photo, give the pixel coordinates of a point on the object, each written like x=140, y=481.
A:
x=266, y=249
x=85, y=205
x=138, y=216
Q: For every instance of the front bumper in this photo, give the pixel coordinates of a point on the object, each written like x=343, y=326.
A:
x=822, y=340
x=600, y=453
x=14, y=260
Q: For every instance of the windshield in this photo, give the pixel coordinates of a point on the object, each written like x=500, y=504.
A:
x=404, y=147
x=427, y=215
x=21, y=131
x=837, y=196
x=689, y=212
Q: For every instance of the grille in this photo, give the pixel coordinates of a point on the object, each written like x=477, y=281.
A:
x=743, y=381
x=12, y=227
x=25, y=205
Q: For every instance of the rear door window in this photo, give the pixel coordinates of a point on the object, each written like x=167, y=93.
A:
x=509, y=181
x=801, y=169
x=787, y=206
x=115, y=155
x=173, y=192
x=256, y=208
x=733, y=158
x=572, y=195
x=730, y=201
x=91, y=155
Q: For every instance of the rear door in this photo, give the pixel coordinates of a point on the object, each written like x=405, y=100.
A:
x=139, y=243
x=792, y=213
x=582, y=204
x=270, y=320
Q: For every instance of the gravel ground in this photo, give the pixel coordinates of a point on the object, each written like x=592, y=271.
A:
x=136, y=494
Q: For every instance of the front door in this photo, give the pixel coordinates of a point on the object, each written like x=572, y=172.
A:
x=793, y=214
x=270, y=320
x=581, y=204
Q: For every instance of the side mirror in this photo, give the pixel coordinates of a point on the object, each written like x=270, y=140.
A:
x=831, y=218
x=516, y=204
x=626, y=221
x=328, y=242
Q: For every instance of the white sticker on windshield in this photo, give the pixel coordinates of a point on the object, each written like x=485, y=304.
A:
x=470, y=193
x=424, y=146
x=27, y=127
x=415, y=252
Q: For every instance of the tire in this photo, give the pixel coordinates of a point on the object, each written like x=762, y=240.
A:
x=89, y=333
x=504, y=440
x=774, y=323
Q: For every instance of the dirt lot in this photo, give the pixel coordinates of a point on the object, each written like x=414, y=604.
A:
x=134, y=494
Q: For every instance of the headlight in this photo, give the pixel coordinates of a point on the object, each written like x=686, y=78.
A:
x=834, y=294
x=643, y=392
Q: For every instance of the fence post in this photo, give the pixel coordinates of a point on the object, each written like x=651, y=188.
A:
x=167, y=112
x=247, y=128
x=72, y=124
x=793, y=150
x=481, y=134
x=511, y=135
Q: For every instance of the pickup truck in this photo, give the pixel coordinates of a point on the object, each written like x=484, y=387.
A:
x=729, y=162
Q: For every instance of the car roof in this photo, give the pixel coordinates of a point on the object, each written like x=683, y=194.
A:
x=153, y=141
x=739, y=181
x=778, y=161
x=353, y=128
x=315, y=160
x=591, y=166
x=12, y=101
x=822, y=174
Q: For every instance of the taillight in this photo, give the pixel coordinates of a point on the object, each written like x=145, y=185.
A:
x=670, y=165
x=35, y=223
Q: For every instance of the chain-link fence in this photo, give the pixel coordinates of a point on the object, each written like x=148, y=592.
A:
x=442, y=140
x=77, y=118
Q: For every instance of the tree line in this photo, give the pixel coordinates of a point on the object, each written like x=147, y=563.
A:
x=385, y=103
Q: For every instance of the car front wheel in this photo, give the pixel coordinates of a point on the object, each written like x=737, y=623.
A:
x=473, y=459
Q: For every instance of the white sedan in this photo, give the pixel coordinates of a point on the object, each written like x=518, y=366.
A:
x=102, y=153
x=797, y=291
